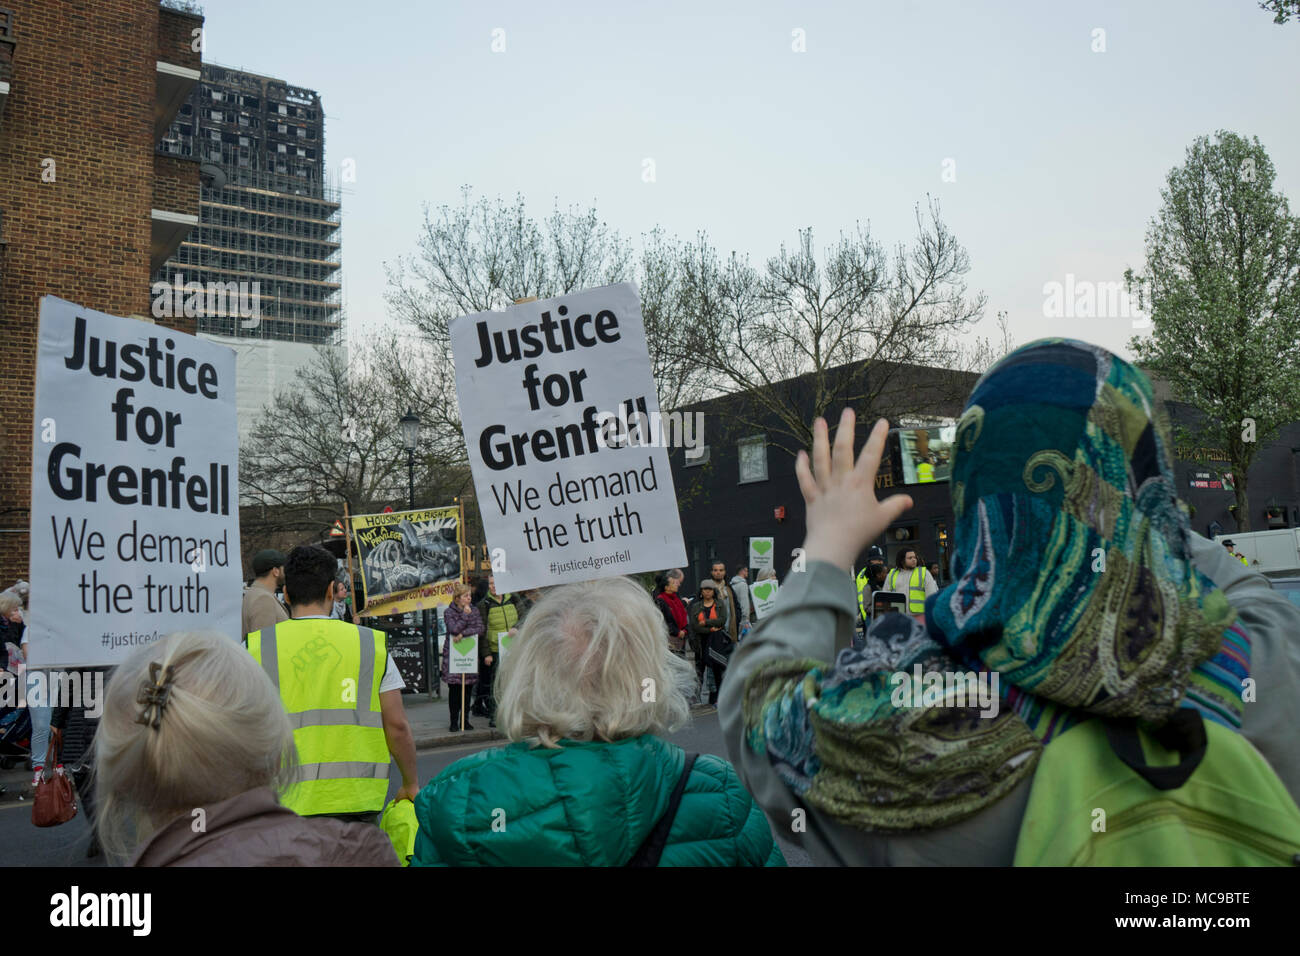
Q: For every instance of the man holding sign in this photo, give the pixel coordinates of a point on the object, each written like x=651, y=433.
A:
x=565, y=442
x=500, y=613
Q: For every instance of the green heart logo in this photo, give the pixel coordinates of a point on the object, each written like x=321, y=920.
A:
x=464, y=645
x=505, y=642
x=762, y=591
x=761, y=547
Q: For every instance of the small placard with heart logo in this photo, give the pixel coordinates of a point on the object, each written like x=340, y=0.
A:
x=764, y=595
x=761, y=553
x=463, y=658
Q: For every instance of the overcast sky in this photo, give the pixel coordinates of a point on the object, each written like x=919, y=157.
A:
x=1055, y=151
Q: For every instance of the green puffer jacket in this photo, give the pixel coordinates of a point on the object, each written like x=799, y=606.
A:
x=588, y=804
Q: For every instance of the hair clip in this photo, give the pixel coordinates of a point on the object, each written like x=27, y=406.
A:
x=155, y=698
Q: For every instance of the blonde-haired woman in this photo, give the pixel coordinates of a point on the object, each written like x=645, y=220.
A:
x=586, y=691
x=193, y=732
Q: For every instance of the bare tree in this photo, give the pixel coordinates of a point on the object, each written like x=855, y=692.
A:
x=334, y=436
x=801, y=337
x=487, y=253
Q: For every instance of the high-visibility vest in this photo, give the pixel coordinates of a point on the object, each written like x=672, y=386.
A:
x=327, y=674
x=864, y=594
x=925, y=472
x=915, y=588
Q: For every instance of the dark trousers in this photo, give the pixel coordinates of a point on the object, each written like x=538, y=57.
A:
x=454, y=692
x=484, y=705
x=718, y=671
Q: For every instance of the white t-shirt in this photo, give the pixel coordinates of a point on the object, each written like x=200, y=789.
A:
x=392, y=679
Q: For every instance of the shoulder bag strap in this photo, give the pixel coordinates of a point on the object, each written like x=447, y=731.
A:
x=653, y=847
x=1184, y=732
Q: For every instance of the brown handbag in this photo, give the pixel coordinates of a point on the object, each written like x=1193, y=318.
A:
x=56, y=800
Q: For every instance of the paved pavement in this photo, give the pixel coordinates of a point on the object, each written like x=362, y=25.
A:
x=21, y=844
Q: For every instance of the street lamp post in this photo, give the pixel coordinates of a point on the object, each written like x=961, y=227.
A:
x=410, y=426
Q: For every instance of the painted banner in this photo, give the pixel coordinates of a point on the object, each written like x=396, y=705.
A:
x=409, y=559
x=761, y=553
x=135, y=477
x=565, y=440
x=763, y=596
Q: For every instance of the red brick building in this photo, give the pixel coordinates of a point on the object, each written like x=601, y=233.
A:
x=88, y=208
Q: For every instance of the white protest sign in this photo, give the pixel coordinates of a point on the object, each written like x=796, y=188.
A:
x=763, y=595
x=504, y=642
x=135, y=511
x=761, y=553
x=565, y=440
x=463, y=656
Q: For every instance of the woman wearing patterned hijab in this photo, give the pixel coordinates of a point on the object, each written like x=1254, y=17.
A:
x=1078, y=590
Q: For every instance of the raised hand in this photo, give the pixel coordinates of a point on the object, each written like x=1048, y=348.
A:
x=843, y=514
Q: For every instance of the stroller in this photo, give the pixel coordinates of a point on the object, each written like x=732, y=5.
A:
x=15, y=722
x=15, y=737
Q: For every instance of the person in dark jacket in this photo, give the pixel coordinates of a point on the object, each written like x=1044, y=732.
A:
x=709, y=624
x=670, y=605
x=501, y=614
x=192, y=753
x=586, y=693
x=462, y=620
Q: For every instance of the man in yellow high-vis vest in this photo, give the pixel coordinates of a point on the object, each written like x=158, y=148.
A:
x=909, y=576
x=343, y=695
x=1232, y=550
x=869, y=580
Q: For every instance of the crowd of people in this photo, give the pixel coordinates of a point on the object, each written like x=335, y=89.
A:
x=1171, y=674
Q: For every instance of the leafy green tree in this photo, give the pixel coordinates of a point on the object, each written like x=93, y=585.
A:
x=1282, y=10
x=1222, y=277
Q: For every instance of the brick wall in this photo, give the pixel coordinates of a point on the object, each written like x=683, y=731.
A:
x=82, y=94
x=176, y=184
x=176, y=37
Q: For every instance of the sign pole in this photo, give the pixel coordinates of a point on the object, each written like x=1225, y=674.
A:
x=464, y=549
x=347, y=540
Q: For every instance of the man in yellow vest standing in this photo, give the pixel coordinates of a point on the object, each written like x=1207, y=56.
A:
x=1232, y=550
x=913, y=579
x=343, y=695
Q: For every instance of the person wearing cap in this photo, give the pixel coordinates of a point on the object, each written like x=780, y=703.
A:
x=709, y=627
x=1232, y=550
x=261, y=609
